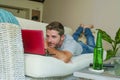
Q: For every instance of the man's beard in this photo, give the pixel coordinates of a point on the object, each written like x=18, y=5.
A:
x=55, y=45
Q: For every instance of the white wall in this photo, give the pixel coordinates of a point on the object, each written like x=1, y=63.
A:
x=69, y=12
x=104, y=14
x=24, y=4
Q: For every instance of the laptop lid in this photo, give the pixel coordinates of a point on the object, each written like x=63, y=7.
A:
x=33, y=41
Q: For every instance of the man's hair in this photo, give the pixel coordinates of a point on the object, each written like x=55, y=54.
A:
x=56, y=26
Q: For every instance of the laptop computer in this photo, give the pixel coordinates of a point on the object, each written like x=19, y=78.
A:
x=33, y=41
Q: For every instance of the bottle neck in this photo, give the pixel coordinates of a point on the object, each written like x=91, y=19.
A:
x=99, y=40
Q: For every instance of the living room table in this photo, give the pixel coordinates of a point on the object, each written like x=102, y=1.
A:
x=110, y=73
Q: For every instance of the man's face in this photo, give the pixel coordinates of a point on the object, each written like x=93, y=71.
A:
x=53, y=38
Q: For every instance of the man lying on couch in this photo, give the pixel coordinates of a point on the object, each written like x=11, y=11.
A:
x=63, y=46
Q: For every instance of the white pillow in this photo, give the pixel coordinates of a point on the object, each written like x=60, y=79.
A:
x=43, y=66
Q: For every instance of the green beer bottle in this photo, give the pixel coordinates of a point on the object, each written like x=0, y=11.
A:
x=98, y=53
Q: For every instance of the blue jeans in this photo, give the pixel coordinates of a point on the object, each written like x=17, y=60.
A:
x=89, y=46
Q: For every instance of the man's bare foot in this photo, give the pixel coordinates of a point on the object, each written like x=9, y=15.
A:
x=81, y=25
x=88, y=26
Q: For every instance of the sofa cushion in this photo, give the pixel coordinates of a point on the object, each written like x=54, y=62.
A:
x=41, y=66
x=45, y=66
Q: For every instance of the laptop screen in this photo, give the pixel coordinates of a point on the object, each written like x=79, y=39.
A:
x=33, y=41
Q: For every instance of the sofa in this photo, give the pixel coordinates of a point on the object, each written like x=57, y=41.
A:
x=38, y=66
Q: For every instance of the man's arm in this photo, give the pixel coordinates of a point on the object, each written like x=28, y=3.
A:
x=62, y=55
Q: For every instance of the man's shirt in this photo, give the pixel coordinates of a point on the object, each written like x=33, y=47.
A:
x=69, y=44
